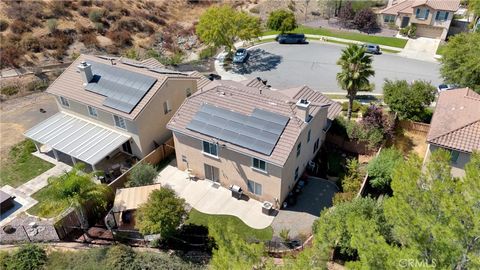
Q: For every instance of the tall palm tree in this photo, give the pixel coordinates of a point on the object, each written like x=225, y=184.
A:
x=356, y=67
x=80, y=191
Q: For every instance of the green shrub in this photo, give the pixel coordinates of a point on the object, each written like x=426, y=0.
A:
x=132, y=54
x=334, y=164
x=207, y=52
x=10, y=90
x=52, y=25
x=37, y=85
x=142, y=174
x=95, y=15
x=409, y=31
x=173, y=60
x=99, y=27
x=119, y=257
x=380, y=168
x=28, y=257
x=255, y=10
x=3, y=25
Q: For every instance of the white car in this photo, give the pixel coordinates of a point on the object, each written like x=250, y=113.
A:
x=446, y=87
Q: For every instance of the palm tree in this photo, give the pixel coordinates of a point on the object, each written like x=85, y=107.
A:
x=356, y=68
x=80, y=191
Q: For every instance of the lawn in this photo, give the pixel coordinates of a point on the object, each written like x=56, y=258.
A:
x=243, y=230
x=46, y=207
x=21, y=166
x=387, y=41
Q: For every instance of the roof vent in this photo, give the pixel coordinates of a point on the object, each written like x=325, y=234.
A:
x=86, y=71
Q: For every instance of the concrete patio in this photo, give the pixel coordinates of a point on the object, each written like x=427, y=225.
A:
x=211, y=198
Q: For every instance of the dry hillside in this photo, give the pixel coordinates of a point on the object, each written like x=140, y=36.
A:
x=41, y=32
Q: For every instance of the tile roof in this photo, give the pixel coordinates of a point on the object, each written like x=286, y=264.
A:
x=238, y=97
x=407, y=6
x=456, y=121
x=201, y=81
x=70, y=83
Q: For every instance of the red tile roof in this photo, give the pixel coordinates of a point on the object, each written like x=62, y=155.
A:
x=456, y=121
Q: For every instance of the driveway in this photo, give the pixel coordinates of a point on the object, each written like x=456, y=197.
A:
x=210, y=198
x=316, y=196
x=421, y=48
x=314, y=65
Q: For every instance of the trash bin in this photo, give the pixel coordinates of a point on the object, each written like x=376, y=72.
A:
x=267, y=208
x=237, y=191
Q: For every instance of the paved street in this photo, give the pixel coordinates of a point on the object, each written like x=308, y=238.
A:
x=314, y=64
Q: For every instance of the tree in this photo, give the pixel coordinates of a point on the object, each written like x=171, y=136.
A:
x=432, y=220
x=221, y=26
x=232, y=251
x=281, y=20
x=351, y=182
x=141, y=175
x=460, y=61
x=356, y=68
x=346, y=13
x=409, y=101
x=78, y=188
x=26, y=258
x=381, y=167
x=162, y=214
x=365, y=20
x=120, y=257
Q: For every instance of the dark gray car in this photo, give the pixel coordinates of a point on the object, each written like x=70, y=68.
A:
x=291, y=39
x=372, y=48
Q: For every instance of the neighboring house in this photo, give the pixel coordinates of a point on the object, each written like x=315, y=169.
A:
x=244, y=134
x=431, y=17
x=455, y=126
x=109, y=106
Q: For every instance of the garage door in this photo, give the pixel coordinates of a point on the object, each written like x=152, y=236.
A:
x=429, y=31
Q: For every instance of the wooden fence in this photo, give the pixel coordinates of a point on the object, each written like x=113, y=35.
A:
x=154, y=157
x=346, y=145
x=415, y=127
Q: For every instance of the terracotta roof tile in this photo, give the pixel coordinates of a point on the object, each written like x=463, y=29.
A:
x=240, y=98
x=456, y=121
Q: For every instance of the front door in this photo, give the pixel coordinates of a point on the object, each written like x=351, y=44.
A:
x=405, y=21
x=211, y=173
x=127, y=148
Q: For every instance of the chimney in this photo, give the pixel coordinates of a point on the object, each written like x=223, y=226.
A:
x=86, y=71
x=303, y=110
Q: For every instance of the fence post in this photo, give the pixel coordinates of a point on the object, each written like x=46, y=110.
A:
x=28, y=237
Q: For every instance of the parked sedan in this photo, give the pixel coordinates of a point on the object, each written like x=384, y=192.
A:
x=291, y=39
x=446, y=87
x=240, y=56
x=372, y=48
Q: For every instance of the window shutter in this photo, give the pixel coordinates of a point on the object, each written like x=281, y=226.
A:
x=426, y=13
x=438, y=15
x=418, y=11
x=446, y=16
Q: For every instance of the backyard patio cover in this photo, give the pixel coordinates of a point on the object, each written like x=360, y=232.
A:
x=132, y=198
x=81, y=139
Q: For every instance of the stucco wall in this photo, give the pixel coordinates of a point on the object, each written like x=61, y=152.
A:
x=458, y=168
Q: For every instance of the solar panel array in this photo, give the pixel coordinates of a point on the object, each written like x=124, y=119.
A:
x=124, y=89
x=259, y=131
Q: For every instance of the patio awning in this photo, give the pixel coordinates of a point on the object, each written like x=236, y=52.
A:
x=81, y=139
x=132, y=198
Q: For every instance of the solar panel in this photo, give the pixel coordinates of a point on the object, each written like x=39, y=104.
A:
x=258, y=132
x=124, y=89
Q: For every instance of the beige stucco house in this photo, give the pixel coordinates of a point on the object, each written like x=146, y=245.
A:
x=112, y=105
x=244, y=134
x=455, y=126
x=431, y=17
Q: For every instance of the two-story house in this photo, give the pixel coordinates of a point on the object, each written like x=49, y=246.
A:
x=431, y=17
x=244, y=134
x=455, y=127
x=112, y=105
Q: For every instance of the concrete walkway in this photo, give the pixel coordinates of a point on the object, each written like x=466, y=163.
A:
x=211, y=198
x=23, y=200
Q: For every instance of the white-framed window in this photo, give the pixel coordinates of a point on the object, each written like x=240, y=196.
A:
x=388, y=18
x=188, y=92
x=296, y=173
x=315, y=145
x=308, y=135
x=259, y=164
x=422, y=13
x=254, y=187
x=441, y=15
x=120, y=122
x=210, y=148
x=64, y=102
x=299, y=149
x=92, y=111
x=166, y=107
